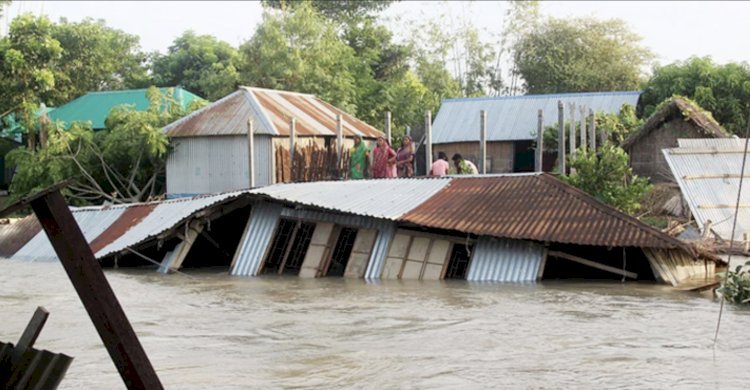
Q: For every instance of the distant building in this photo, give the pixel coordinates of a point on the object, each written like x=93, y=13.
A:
x=511, y=124
x=677, y=118
x=94, y=107
x=210, y=146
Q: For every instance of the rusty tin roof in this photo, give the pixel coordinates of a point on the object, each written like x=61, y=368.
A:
x=13, y=236
x=271, y=112
x=535, y=207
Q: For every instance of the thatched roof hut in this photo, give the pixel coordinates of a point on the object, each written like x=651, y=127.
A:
x=677, y=117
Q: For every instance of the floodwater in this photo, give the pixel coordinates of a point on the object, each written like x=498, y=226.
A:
x=209, y=330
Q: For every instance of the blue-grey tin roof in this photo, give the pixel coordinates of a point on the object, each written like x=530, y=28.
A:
x=514, y=118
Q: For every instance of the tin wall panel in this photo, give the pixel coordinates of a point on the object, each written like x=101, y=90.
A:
x=502, y=260
x=255, y=240
x=380, y=251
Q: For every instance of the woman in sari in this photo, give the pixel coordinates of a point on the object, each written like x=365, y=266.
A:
x=405, y=158
x=383, y=159
x=358, y=156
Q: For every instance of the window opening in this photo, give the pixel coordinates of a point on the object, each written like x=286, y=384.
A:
x=341, y=252
x=296, y=253
x=458, y=264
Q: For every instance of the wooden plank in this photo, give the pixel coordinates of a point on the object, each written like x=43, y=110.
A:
x=30, y=334
x=723, y=206
x=593, y=264
x=715, y=176
x=95, y=292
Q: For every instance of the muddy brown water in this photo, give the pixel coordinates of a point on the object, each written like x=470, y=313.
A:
x=215, y=331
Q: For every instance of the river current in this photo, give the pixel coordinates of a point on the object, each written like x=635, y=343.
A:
x=204, y=329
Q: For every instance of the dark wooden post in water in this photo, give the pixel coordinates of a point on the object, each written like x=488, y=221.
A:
x=251, y=152
x=483, y=142
x=539, y=142
x=93, y=289
x=561, y=136
x=428, y=141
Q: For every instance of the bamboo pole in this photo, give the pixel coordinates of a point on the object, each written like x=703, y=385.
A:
x=292, y=140
x=428, y=140
x=251, y=152
x=483, y=142
x=339, y=144
x=388, y=127
x=584, y=131
x=561, y=136
x=572, y=134
x=592, y=119
x=539, y=141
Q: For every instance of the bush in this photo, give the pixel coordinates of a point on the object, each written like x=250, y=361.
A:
x=736, y=287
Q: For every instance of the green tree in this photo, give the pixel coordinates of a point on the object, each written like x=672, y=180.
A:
x=605, y=174
x=300, y=51
x=338, y=10
x=121, y=164
x=30, y=56
x=95, y=58
x=579, y=55
x=200, y=63
x=724, y=90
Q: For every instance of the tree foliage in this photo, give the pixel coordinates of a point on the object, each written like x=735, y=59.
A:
x=605, y=175
x=200, y=63
x=335, y=9
x=579, y=55
x=123, y=163
x=724, y=90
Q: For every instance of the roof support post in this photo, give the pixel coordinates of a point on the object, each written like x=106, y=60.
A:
x=173, y=261
x=292, y=140
x=251, y=152
x=483, y=142
x=561, y=136
x=572, y=133
x=95, y=293
x=539, y=141
x=584, y=131
x=592, y=119
x=428, y=140
x=388, y=127
x=339, y=144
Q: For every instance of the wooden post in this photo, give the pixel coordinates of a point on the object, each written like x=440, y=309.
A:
x=584, y=131
x=483, y=142
x=539, y=141
x=561, y=136
x=292, y=140
x=94, y=291
x=172, y=262
x=572, y=134
x=428, y=141
x=251, y=152
x=388, y=127
x=408, y=131
x=339, y=144
x=592, y=119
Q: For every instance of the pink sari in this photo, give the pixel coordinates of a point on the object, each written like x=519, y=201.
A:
x=381, y=167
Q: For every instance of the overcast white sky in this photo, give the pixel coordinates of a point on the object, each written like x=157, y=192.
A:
x=673, y=30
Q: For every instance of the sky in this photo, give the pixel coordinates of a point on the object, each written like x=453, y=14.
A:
x=672, y=30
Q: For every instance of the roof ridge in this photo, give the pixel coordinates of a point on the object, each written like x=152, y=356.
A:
x=539, y=96
x=251, y=89
x=169, y=126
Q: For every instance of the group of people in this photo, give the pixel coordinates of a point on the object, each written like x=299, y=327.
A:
x=387, y=162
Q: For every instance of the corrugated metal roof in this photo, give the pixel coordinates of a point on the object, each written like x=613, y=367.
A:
x=709, y=181
x=711, y=143
x=13, y=236
x=95, y=106
x=163, y=217
x=271, y=111
x=535, y=207
x=384, y=198
x=512, y=118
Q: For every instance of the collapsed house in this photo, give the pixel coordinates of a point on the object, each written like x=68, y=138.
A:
x=502, y=228
x=212, y=151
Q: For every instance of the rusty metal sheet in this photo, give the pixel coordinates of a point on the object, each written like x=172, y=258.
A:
x=536, y=207
x=271, y=111
x=132, y=216
x=13, y=236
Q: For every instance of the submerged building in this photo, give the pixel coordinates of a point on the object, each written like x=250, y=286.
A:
x=501, y=228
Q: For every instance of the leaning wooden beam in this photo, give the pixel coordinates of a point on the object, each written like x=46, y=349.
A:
x=593, y=264
x=173, y=262
x=92, y=287
x=30, y=334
